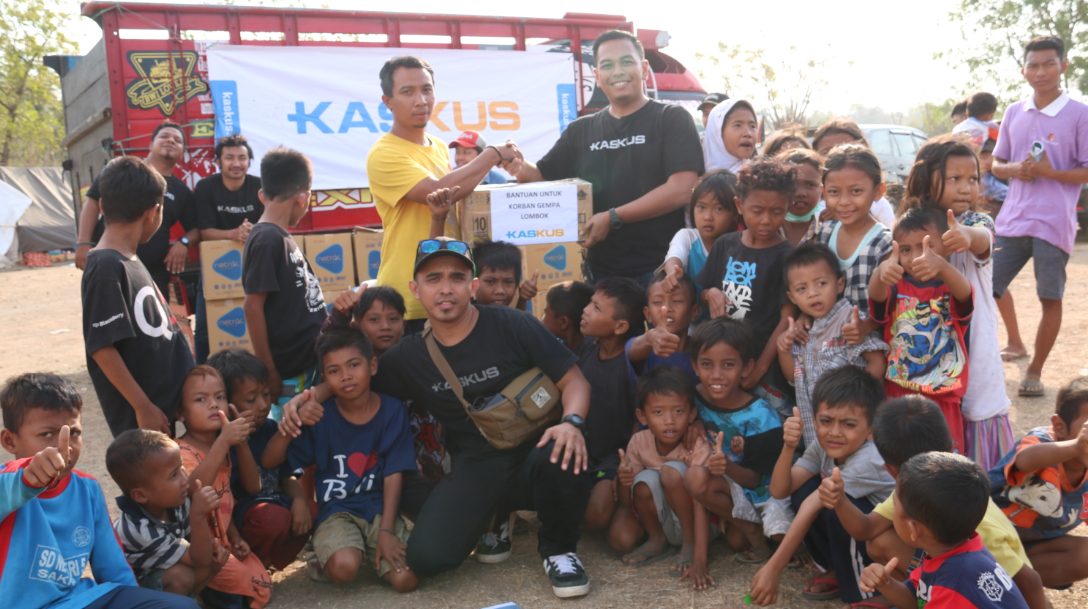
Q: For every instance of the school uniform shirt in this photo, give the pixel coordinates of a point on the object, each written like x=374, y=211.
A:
x=294, y=309
x=996, y=532
x=47, y=538
x=221, y=208
x=123, y=308
x=925, y=328
x=270, y=478
x=625, y=158
x=353, y=460
x=612, y=404
x=504, y=344
x=1043, y=504
x=1043, y=208
x=985, y=396
x=967, y=577
x=863, y=474
x=760, y=428
x=752, y=280
x=151, y=543
x=177, y=206
x=394, y=166
x=642, y=450
x=827, y=350
x=882, y=211
x=859, y=267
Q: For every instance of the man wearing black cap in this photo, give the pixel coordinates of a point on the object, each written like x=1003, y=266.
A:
x=487, y=347
x=711, y=100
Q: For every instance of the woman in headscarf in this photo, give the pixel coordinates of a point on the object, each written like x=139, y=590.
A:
x=731, y=133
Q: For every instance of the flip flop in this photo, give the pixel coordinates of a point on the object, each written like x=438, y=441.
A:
x=1031, y=389
x=1012, y=357
x=826, y=595
x=745, y=558
x=651, y=557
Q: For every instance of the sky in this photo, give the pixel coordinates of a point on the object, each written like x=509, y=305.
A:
x=880, y=53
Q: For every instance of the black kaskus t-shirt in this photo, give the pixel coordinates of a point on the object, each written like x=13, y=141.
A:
x=224, y=209
x=504, y=343
x=294, y=308
x=612, y=404
x=625, y=158
x=177, y=206
x=123, y=308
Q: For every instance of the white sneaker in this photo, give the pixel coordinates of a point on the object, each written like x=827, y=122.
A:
x=568, y=576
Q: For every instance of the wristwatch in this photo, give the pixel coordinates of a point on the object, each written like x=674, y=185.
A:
x=575, y=420
x=615, y=222
x=184, y=241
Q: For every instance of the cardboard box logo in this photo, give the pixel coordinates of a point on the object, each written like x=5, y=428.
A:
x=229, y=265
x=373, y=262
x=331, y=259
x=557, y=258
x=233, y=322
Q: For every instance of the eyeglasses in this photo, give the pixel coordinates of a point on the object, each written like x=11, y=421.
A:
x=430, y=246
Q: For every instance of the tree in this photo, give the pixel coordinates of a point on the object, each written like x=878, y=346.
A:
x=31, y=111
x=783, y=89
x=996, y=31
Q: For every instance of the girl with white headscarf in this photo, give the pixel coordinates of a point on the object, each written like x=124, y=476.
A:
x=730, y=138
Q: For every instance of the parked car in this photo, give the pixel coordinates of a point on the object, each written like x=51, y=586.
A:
x=896, y=147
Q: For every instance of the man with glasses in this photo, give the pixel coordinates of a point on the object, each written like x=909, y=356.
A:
x=407, y=164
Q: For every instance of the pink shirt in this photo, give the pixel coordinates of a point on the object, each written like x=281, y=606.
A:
x=1044, y=208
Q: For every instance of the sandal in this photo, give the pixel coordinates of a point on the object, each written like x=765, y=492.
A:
x=1031, y=388
x=1011, y=356
x=747, y=557
x=826, y=595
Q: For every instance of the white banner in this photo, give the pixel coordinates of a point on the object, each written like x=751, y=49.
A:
x=326, y=101
x=531, y=213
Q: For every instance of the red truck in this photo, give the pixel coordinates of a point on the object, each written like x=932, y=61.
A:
x=150, y=65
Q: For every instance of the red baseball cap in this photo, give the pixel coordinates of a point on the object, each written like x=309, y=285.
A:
x=470, y=139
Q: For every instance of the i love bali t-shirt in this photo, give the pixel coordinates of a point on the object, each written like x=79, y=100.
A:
x=353, y=460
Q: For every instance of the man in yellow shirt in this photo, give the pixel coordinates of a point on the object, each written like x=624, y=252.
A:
x=407, y=164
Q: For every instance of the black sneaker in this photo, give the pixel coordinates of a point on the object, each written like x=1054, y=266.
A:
x=568, y=576
x=495, y=545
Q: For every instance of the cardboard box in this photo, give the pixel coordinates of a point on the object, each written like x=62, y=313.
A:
x=475, y=209
x=221, y=267
x=557, y=262
x=227, y=325
x=368, y=252
x=331, y=260
x=537, y=304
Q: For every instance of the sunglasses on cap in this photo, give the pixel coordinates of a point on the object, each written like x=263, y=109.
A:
x=430, y=246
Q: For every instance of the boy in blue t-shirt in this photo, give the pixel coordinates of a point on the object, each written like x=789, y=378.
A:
x=54, y=518
x=940, y=499
x=361, y=444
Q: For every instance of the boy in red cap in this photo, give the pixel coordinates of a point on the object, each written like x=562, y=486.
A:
x=468, y=146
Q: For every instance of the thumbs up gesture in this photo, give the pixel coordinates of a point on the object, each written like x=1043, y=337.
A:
x=625, y=473
x=718, y=462
x=310, y=412
x=890, y=271
x=238, y=429
x=663, y=342
x=346, y=301
x=877, y=576
x=831, y=490
x=955, y=238
x=51, y=464
x=787, y=338
x=851, y=331
x=205, y=501
x=672, y=279
x=528, y=289
x=929, y=264
x=793, y=428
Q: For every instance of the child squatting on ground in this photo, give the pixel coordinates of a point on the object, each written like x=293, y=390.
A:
x=55, y=517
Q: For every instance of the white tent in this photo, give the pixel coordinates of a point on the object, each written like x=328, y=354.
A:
x=13, y=204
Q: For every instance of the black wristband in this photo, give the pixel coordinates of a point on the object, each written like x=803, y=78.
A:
x=501, y=157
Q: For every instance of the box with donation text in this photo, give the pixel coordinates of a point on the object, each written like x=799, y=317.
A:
x=368, y=252
x=221, y=268
x=331, y=259
x=514, y=212
x=227, y=325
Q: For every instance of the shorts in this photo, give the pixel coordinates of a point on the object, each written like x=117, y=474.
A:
x=604, y=474
x=670, y=524
x=150, y=579
x=987, y=441
x=775, y=515
x=1012, y=253
x=346, y=530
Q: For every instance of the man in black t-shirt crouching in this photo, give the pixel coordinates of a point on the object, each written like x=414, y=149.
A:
x=488, y=347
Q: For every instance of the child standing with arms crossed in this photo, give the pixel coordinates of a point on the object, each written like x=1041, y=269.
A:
x=945, y=178
x=926, y=305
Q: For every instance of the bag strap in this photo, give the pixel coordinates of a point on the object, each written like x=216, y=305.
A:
x=443, y=365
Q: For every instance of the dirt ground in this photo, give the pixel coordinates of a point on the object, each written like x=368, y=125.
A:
x=40, y=321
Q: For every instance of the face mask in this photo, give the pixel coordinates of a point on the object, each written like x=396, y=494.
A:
x=798, y=219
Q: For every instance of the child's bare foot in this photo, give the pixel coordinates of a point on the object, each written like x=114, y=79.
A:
x=753, y=556
x=684, y=558
x=653, y=550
